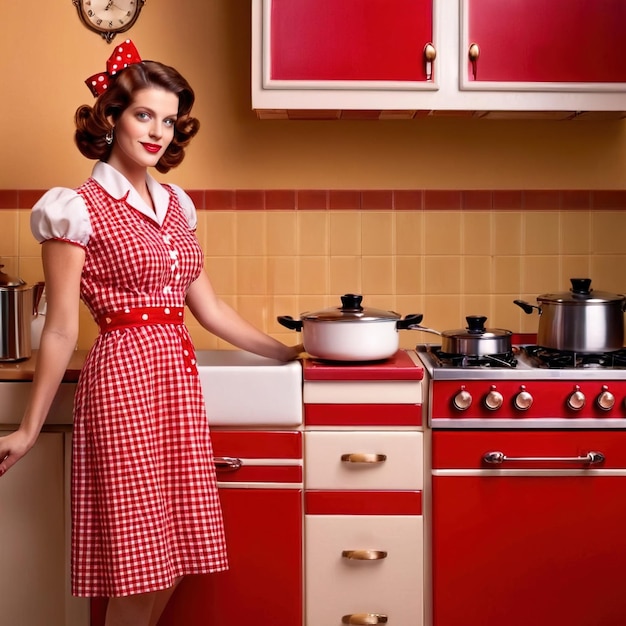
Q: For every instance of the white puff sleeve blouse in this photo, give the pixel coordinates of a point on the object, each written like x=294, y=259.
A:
x=61, y=214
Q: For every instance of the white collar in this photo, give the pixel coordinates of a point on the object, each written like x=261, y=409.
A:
x=118, y=186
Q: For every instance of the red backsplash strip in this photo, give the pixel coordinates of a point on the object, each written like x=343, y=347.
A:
x=376, y=199
x=408, y=200
x=436, y=200
x=344, y=200
x=615, y=199
x=507, y=200
x=477, y=200
x=8, y=199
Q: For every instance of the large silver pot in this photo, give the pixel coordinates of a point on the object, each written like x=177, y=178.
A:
x=350, y=332
x=580, y=320
x=16, y=314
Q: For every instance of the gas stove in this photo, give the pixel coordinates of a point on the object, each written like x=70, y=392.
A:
x=531, y=387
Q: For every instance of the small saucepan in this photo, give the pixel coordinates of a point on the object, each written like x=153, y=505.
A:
x=474, y=340
x=350, y=332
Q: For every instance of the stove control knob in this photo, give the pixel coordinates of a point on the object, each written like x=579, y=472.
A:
x=463, y=399
x=493, y=400
x=523, y=400
x=576, y=400
x=605, y=399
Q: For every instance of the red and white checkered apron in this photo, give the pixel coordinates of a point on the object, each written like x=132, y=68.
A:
x=145, y=506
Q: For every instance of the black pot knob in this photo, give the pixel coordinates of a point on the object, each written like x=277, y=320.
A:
x=581, y=286
x=476, y=324
x=351, y=302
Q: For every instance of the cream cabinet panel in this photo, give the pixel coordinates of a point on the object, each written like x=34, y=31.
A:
x=32, y=520
x=390, y=584
x=363, y=460
x=34, y=539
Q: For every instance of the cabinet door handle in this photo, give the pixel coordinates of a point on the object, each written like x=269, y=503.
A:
x=364, y=555
x=364, y=618
x=363, y=457
x=591, y=458
x=430, y=54
x=227, y=463
x=473, y=53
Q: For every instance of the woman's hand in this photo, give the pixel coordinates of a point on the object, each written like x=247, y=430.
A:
x=297, y=352
x=12, y=448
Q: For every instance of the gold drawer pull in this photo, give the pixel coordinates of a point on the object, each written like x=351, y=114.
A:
x=363, y=457
x=364, y=618
x=364, y=555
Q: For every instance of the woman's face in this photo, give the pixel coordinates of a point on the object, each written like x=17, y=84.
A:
x=144, y=130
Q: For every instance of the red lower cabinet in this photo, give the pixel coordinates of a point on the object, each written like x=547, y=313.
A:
x=264, y=582
x=540, y=543
x=260, y=479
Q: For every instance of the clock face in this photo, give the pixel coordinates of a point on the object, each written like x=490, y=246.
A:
x=109, y=17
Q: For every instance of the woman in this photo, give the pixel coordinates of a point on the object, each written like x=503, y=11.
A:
x=145, y=509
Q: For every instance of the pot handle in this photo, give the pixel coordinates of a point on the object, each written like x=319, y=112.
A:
x=288, y=322
x=424, y=329
x=526, y=307
x=411, y=318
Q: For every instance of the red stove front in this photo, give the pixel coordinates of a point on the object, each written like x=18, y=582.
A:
x=526, y=391
x=528, y=490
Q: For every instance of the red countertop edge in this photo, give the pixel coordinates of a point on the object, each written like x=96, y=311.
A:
x=398, y=367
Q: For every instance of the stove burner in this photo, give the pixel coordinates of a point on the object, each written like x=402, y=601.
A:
x=445, y=359
x=558, y=359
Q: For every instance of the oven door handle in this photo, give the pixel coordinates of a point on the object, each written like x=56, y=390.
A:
x=591, y=458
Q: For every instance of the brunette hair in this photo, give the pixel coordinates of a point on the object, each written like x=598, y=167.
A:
x=92, y=124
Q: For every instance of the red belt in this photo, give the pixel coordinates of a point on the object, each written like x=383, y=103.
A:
x=151, y=316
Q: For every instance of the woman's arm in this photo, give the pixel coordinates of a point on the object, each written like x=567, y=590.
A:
x=63, y=264
x=222, y=320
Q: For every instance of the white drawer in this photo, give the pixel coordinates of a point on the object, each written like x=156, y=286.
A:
x=391, y=586
x=363, y=392
x=381, y=460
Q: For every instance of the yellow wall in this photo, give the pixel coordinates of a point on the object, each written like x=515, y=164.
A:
x=45, y=58
x=445, y=264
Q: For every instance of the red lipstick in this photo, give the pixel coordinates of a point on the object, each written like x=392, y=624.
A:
x=151, y=147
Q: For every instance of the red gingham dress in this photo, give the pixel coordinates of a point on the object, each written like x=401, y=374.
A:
x=145, y=506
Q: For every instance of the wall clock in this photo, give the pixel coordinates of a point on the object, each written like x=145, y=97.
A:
x=108, y=17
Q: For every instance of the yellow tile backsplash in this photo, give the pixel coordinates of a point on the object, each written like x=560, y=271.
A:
x=445, y=264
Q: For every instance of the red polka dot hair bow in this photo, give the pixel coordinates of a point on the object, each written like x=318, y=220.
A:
x=125, y=54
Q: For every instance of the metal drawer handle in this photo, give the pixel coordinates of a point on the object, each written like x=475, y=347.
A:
x=591, y=458
x=363, y=457
x=364, y=618
x=227, y=463
x=364, y=555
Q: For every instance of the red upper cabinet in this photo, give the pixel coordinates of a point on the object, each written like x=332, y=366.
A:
x=538, y=42
x=347, y=42
x=408, y=58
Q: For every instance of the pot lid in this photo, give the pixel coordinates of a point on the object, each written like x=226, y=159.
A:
x=350, y=311
x=9, y=281
x=581, y=293
x=476, y=330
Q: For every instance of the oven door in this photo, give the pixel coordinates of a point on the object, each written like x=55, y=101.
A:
x=540, y=541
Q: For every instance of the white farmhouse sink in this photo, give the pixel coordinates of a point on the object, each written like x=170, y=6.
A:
x=243, y=389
